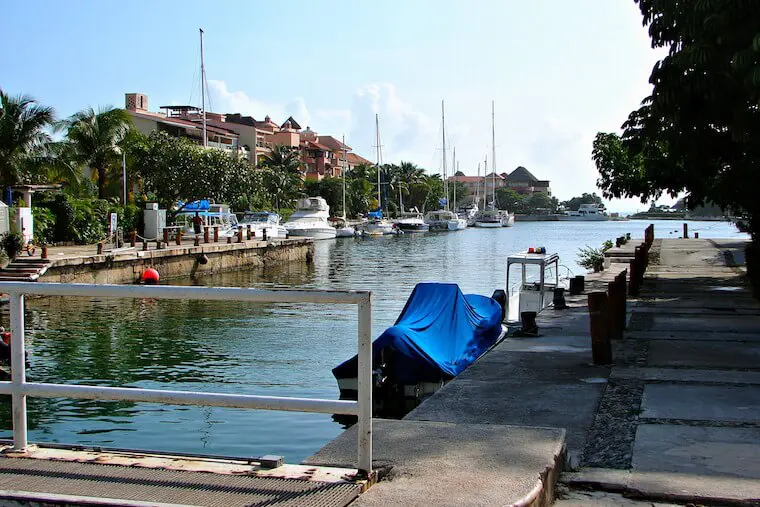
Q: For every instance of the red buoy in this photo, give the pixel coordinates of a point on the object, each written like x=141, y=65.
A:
x=150, y=276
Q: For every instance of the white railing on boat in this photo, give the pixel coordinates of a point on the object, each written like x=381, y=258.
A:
x=19, y=389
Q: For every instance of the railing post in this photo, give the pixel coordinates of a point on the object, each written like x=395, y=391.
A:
x=18, y=371
x=364, y=377
x=601, y=346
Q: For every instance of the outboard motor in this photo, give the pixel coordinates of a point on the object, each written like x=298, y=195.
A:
x=500, y=297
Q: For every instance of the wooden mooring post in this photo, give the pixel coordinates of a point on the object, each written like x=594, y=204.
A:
x=166, y=235
x=598, y=310
x=206, y=230
x=685, y=230
x=132, y=238
x=216, y=234
x=178, y=237
x=248, y=232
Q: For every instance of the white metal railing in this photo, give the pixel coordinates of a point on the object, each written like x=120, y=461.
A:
x=19, y=389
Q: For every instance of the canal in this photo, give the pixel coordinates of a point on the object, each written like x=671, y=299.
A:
x=269, y=349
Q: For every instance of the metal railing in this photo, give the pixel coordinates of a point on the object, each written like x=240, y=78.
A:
x=19, y=389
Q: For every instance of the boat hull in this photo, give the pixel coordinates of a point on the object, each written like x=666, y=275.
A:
x=508, y=221
x=488, y=225
x=457, y=225
x=313, y=233
x=413, y=227
x=345, y=232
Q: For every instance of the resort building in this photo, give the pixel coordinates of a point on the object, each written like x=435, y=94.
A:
x=520, y=180
x=247, y=137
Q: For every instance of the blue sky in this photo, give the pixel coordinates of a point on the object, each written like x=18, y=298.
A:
x=558, y=71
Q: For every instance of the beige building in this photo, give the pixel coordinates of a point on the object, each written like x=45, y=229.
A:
x=520, y=180
x=245, y=136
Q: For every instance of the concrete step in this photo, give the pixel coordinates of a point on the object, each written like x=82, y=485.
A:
x=30, y=260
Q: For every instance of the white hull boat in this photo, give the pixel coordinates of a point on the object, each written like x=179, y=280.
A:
x=310, y=220
x=587, y=212
x=345, y=232
x=261, y=221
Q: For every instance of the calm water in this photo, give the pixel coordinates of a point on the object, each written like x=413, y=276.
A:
x=271, y=349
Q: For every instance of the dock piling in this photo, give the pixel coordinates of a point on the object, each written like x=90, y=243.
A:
x=166, y=235
x=685, y=230
x=601, y=345
x=264, y=233
x=248, y=232
x=216, y=234
x=240, y=235
x=100, y=248
x=132, y=238
x=206, y=233
x=178, y=237
x=44, y=254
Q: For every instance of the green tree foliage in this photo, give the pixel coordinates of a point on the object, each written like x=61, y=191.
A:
x=575, y=203
x=331, y=190
x=699, y=130
x=282, y=176
x=175, y=169
x=23, y=138
x=93, y=140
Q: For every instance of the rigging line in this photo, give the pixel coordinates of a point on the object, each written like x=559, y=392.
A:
x=195, y=80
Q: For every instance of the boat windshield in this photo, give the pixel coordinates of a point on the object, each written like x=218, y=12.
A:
x=251, y=218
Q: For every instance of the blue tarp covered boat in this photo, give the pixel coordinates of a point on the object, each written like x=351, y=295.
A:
x=439, y=333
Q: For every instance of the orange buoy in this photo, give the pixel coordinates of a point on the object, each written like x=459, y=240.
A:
x=150, y=276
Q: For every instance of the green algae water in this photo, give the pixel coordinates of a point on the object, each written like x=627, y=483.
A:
x=267, y=349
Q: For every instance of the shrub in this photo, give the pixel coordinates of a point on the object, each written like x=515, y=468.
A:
x=12, y=243
x=591, y=258
x=44, y=226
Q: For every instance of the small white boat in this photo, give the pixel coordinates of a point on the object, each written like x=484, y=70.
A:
x=377, y=227
x=411, y=222
x=214, y=215
x=310, y=220
x=507, y=219
x=261, y=221
x=443, y=220
x=468, y=213
x=345, y=232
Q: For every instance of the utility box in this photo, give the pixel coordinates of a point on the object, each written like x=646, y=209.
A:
x=155, y=222
x=5, y=222
x=23, y=223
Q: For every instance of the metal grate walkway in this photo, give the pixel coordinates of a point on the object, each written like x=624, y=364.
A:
x=125, y=484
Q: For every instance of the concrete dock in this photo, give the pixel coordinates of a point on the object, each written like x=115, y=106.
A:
x=674, y=418
x=82, y=264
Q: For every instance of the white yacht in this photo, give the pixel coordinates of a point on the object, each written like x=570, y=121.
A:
x=377, y=227
x=310, y=219
x=411, y=222
x=443, y=220
x=587, y=212
x=261, y=221
x=468, y=213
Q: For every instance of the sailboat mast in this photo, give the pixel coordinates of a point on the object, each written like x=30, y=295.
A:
x=203, y=92
x=493, y=156
x=377, y=140
x=343, y=172
x=485, y=182
x=445, y=182
x=477, y=188
x=453, y=167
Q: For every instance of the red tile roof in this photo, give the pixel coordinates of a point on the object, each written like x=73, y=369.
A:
x=354, y=159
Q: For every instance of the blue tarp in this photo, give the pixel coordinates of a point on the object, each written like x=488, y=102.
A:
x=378, y=213
x=202, y=205
x=439, y=333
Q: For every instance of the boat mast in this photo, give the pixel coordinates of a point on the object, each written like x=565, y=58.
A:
x=477, y=188
x=203, y=92
x=454, y=166
x=377, y=140
x=485, y=182
x=343, y=172
x=445, y=182
x=493, y=158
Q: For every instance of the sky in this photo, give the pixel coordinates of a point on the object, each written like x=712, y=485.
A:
x=557, y=71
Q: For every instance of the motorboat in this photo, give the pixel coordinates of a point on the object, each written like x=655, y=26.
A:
x=488, y=219
x=213, y=215
x=260, y=221
x=311, y=219
x=444, y=220
x=345, y=231
x=468, y=213
x=411, y=222
x=376, y=225
x=439, y=333
x=587, y=212
x=508, y=219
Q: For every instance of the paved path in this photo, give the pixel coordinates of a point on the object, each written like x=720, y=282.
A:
x=679, y=419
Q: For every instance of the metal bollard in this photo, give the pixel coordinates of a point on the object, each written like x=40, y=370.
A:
x=229, y=240
x=145, y=246
x=601, y=345
x=178, y=237
x=216, y=234
x=206, y=233
x=248, y=232
x=264, y=233
x=696, y=235
x=240, y=235
x=685, y=230
x=166, y=235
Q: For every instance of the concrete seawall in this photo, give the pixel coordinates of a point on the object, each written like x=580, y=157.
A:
x=126, y=265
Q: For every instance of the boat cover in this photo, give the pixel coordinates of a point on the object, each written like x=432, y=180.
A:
x=439, y=333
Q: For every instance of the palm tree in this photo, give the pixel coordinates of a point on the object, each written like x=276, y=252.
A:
x=283, y=178
x=23, y=140
x=94, y=138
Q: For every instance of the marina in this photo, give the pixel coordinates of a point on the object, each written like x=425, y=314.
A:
x=279, y=349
